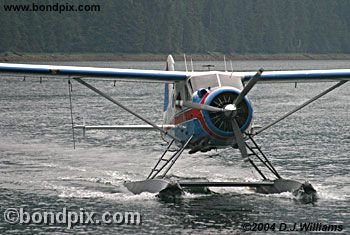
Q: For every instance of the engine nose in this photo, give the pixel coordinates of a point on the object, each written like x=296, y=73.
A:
x=221, y=122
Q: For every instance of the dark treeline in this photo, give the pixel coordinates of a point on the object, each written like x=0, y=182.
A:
x=176, y=26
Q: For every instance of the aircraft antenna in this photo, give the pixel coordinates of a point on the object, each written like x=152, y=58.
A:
x=225, y=63
x=192, y=64
x=70, y=88
x=185, y=62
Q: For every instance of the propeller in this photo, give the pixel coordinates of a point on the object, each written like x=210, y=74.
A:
x=204, y=107
x=230, y=111
x=236, y=130
x=248, y=87
x=239, y=139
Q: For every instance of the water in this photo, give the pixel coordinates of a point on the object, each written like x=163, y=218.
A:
x=40, y=171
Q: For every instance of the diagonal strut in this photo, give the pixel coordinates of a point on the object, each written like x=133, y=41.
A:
x=301, y=106
x=124, y=107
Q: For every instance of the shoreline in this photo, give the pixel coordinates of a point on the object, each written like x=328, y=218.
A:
x=36, y=57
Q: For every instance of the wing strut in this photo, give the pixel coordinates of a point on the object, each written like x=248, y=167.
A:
x=124, y=107
x=301, y=106
x=70, y=88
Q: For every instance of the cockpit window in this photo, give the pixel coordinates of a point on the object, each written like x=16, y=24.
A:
x=228, y=80
x=214, y=80
x=204, y=81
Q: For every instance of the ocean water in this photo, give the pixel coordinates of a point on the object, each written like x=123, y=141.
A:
x=41, y=172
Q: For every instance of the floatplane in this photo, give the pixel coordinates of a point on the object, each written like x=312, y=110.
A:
x=203, y=111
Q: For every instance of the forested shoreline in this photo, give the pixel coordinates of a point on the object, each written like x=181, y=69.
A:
x=205, y=27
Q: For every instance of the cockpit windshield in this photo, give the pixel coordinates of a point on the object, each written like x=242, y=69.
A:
x=227, y=80
x=214, y=80
x=204, y=81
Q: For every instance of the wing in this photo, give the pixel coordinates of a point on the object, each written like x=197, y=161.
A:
x=299, y=75
x=95, y=72
x=170, y=76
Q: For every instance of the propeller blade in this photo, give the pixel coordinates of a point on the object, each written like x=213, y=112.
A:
x=248, y=87
x=200, y=106
x=239, y=139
